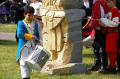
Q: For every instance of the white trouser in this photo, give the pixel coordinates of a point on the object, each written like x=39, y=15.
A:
x=25, y=69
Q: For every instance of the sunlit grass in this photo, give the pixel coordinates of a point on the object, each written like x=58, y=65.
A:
x=8, y=28
x=10, y=70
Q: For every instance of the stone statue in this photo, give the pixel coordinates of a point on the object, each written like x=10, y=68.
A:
x=62, y=33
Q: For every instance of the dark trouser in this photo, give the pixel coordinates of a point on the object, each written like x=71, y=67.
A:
x=118, y=62
x=26, y=78
x=118, y=52
x=99, y=50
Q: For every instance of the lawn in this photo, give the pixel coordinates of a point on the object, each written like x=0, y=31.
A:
x=10, y=70
x=8, y=28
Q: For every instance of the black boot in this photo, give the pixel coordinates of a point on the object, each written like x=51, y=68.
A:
x=97, y=63
x=95, y=67
x=118, y=64
x=27, y=78
x=104, y=58
x=104, y=61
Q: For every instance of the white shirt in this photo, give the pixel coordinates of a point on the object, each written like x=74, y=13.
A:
x=86, y=4
x=26, y=1
x=37, y=7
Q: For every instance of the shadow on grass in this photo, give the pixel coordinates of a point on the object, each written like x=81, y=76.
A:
x=88, y=65
x=8, y=42
x=88, y=55
x=91, y=60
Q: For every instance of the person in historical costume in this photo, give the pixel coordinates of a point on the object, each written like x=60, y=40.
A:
x=118, y=50
x=87, y=33
x=88, y=9
x=27, y=31
x=56, y=36
x=36, y=4
x=111, y=23
x=26, y=2
x=99, y=10
x=118, y=4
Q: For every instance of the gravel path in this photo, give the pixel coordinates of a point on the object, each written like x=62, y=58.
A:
x=7, y=36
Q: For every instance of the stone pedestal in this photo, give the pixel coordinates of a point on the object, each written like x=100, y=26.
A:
x=71, y=68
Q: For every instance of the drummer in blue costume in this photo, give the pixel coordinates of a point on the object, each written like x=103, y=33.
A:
x=27, y=31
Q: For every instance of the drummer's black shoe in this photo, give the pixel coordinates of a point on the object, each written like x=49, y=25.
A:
x=27, y=78
x=118, y=71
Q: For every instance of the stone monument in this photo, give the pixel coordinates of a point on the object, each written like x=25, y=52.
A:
x=62, y=36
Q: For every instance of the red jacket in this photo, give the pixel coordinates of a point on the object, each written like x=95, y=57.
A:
x=97, y=14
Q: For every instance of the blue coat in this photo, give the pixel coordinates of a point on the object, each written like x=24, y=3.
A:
x=21, y=30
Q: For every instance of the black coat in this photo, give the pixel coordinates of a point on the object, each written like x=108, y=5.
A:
x=118, y=4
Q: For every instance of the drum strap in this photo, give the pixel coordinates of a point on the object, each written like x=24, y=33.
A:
x=30, y=27
x=31, y=30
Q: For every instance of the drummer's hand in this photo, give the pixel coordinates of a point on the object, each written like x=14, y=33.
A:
x=28, y=36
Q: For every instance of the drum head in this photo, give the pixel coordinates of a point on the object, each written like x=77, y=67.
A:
x=38, y=57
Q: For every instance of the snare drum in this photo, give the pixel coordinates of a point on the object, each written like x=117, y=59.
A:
x=38, y=57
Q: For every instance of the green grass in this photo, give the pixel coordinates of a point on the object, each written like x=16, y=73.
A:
x=10, y=70
x=8, y=28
